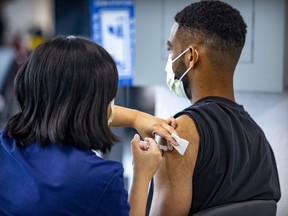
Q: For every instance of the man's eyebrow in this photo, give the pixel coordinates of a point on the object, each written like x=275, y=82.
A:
x=169, y=44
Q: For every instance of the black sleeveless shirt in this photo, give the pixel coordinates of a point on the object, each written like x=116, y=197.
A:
x=235, y=161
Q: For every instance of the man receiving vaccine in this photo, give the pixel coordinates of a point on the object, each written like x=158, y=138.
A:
x=228, y=158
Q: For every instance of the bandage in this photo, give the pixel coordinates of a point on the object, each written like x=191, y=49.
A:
x=181, y=148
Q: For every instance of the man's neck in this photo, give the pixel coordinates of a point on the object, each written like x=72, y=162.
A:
x=212, y=88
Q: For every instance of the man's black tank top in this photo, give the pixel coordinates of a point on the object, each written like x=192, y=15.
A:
x=235, y=161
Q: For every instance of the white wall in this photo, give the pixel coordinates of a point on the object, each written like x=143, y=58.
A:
x=261, y=66
x=265, y=72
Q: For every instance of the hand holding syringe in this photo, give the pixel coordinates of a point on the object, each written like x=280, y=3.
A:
x=181, y=147
x=144, y=145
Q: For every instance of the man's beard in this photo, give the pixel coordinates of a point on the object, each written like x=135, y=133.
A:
x=178, y=73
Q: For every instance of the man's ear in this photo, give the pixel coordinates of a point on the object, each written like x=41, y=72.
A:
x=194, y=56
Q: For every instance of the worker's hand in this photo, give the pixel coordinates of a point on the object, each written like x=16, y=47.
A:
x=146, y=157
x=148, y=126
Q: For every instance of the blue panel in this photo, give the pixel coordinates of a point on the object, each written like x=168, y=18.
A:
x=113, y=27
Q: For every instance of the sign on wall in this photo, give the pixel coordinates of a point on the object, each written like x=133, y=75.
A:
x=113, y=27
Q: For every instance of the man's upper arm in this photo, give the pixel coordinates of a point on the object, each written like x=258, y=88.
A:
x=173, y=180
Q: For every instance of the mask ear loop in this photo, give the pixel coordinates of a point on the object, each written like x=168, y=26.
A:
x=185, y=73
x=180, y=55
x=190, y=66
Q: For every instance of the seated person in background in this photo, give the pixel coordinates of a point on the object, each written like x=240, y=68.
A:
x=65, y=91
x=228, y=158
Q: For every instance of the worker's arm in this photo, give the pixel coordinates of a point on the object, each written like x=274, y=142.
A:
x=173, y=181
x=146, y=160
x=147, y=125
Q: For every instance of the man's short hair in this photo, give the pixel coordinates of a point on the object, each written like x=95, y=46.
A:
x=215, y=25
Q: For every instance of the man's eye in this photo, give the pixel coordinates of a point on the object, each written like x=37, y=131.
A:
x=168, y=49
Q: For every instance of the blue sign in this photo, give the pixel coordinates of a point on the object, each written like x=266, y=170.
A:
x=113, y=27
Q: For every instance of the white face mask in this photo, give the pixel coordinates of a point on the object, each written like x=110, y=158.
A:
x=111, y=116
x=176, y=85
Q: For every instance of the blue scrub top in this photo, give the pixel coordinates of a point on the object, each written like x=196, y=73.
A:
x=55, y=180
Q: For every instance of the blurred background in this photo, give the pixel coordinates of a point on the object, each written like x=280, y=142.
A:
x=135, y=33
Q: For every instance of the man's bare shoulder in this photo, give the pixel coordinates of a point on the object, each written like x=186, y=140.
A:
x=174, y=178
x=175, y=165
x=187, y=129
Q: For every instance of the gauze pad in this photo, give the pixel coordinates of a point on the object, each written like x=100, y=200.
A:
x=181, y=148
